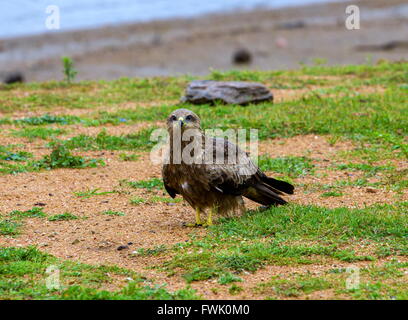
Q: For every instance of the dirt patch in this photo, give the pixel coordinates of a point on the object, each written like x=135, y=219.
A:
x=95, y=237
x=83, y=112
x=317, y=147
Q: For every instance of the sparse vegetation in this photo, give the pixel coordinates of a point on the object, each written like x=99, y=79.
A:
x=92, y=192
x=113, y=213
x=23, y=274
x=69, y=71
x=63, y=217
x=331, y=194
x=129, y=157
x=291, y=166
x=152, y=184
x=371, y=120
x=60, y=157
x=104, y=141
x=38, y=132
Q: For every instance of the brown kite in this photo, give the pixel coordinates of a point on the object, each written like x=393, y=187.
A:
x=192, y=169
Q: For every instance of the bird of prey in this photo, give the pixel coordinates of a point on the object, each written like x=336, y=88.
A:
x=192, y=170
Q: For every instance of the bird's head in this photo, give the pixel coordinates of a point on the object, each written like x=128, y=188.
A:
x=183, y=119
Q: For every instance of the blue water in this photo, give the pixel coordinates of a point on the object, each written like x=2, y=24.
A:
x=26, y=17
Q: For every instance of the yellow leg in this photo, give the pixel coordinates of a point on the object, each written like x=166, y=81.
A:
x=209, y=219
x=198, y=219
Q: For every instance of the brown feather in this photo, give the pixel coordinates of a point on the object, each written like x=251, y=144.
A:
x=221, y=185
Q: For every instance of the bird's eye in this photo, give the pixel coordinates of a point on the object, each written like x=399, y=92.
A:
x=173, y=118
x=189, y=118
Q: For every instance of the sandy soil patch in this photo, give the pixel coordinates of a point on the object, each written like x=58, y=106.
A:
x=94, y=237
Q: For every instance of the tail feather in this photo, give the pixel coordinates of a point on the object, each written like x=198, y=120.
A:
x=267, y=191
x=279, y=185
x=262, y=194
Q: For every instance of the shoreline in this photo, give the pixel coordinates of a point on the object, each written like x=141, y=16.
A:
x=277, y=39
x=181, y=16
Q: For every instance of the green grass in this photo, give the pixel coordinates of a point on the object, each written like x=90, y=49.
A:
x=291, y=235
x=113, y=213
x=35, y=212
x=7, y=154
x=9, y=228
x=290, y=288
x=368, y=169
x=63, y=217
x=60, y=157
x=11, y=223
x=23, y=275
x=137, y=200
x=151, y=184
x=386, y=177
x=331, y=194
x=103, y=141
x=335, y=104
x=45, y=119
x=384, y=281
x=377, y=118
x=235, y=289
x=290, y=166
x=156, y=199
x=228, y=277
x=128, y=157
x=145, y=252
x=92, y=192
x=38, y=132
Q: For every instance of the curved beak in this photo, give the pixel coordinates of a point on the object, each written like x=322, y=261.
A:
x=181, y=121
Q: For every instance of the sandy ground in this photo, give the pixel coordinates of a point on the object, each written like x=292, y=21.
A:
x=277, y=39
x=95, y=237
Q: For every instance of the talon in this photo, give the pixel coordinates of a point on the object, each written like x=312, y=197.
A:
x=192, y=225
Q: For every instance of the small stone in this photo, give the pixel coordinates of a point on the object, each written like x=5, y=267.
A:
x=242, y=56
x=289, y=25
x=230, y=92
x=171, y=204
x=130, y=243
x=14, y=77
x=40, y=204
x=76, y=241
x=371, y=190
x=120, y=248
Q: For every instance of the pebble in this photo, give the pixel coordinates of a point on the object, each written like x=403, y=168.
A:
x=40, y=204
x=242, y=56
